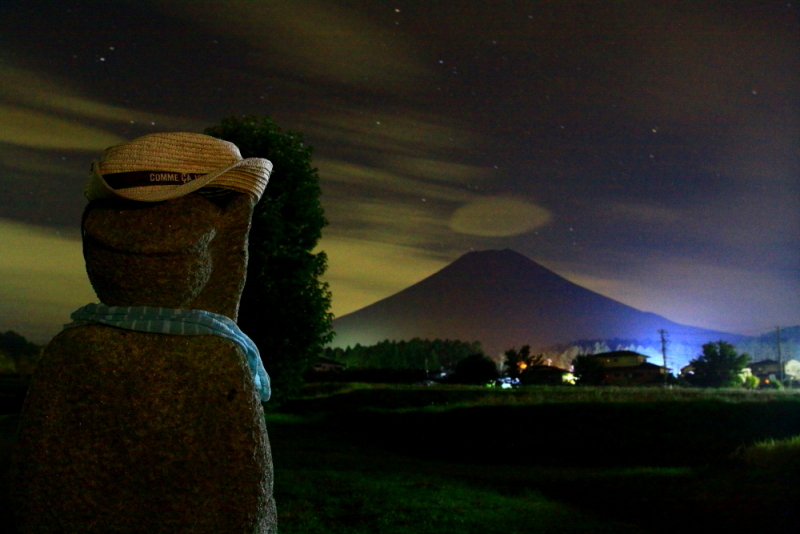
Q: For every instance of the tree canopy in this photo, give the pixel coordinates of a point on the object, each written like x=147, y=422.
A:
x=719, y=366
x=17, y=354
x=285, y=306
x=518, y=360
x=475, y=369
x=427, y=354
x=588, y=370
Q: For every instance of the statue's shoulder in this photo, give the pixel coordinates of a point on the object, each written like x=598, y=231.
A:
x=128, y=347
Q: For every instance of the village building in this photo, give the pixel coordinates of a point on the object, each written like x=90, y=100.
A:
x=769, y=371
x=628, y=368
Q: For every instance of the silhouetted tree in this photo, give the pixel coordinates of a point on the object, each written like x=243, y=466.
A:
x=285, y=306
x=21, y=355
x=587, y=370
x=430, y=354
x=475, y=369
x=720, y=366
x=518, y=360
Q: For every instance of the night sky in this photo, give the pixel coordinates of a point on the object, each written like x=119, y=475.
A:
x=648, y=151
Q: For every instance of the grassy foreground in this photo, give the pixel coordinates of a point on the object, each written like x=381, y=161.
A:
x=400, y=460
x=328, y=483
x=355, y=458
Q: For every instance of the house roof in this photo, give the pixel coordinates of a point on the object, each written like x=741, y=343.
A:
x=617, y=354
x=652, y=365
x=764, y=362
x=643, y=365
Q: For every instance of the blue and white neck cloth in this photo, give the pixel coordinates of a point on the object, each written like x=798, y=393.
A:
x=179, y=323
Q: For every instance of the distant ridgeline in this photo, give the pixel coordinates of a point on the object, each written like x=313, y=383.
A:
x=17, y=354
x=765, y=346
x=423, y=354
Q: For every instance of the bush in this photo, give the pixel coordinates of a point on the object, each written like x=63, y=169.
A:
x=751, y=382
x=475, y=369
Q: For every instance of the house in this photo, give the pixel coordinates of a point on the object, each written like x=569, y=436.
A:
x=770, y=370
x=620, y=358
x=792, y=370
x=628, y=368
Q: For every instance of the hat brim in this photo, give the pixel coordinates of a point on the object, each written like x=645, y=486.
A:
x=248, y=176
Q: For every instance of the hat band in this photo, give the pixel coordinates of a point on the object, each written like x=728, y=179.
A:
x=125, y=180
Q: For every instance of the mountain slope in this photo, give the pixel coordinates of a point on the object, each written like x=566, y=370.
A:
x=503, y=299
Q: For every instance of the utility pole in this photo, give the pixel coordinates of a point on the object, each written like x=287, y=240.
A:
x=663, y=334
x=781, y=376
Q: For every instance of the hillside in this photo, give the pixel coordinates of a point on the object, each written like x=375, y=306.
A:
x=503, y=299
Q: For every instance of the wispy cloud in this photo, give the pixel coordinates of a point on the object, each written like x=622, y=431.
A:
x=31, y=128
x=34, y=162
x=363, y=271
x=390, y=133
x=379, y=221
x=39, y=112
x=42, y=279
x=387, y=180
x=316, y=39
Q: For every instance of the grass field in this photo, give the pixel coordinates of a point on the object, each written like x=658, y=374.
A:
x=327, y=482
x=359, y=458
x=354, y=458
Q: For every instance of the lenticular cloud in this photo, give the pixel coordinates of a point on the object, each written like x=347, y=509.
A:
x=498, y=217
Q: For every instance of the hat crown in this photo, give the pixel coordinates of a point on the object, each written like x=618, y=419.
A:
x=161, y=166
x=183, y=152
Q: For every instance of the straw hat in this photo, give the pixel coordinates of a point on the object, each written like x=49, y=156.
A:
x=162, y=166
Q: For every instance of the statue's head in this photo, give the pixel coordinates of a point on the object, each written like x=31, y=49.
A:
x=167, y=222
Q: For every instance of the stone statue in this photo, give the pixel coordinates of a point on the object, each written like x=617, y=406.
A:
x=144, y=415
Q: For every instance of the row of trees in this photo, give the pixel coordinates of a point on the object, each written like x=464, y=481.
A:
x=519, y=364
x=17, y=354
x=422, y=354
x=467, y=361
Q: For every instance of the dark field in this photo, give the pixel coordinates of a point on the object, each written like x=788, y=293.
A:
x=353, y=459
x=534, y=460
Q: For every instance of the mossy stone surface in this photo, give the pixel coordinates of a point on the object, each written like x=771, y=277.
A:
x=134, y=432
x=137, y=432
x=187, y=253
